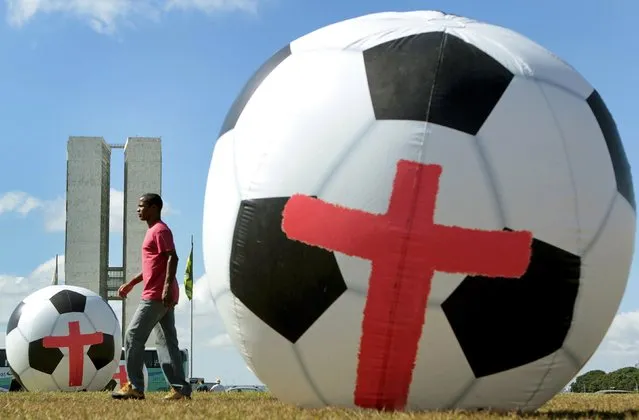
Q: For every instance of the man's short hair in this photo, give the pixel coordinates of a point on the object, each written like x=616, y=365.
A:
x=153, y=199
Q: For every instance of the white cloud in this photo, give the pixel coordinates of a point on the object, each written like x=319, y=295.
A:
x=104, y=16
x=211, y=6
x=18, y=202
x=220, y=340
x=23, y=203
x=620, y=346
x=206, y=320
x=15, y=288
x=54, y=215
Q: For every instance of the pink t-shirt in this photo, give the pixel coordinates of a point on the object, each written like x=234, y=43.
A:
x=158, y=239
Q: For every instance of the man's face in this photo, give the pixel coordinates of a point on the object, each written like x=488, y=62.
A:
x=143, y=209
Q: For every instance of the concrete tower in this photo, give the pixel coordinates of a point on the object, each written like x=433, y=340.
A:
x=88, y=209
x=87, y=213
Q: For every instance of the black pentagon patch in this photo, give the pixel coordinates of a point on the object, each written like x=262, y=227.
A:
x=503, y=323
x=434, y=77
x=286, y=283
x=102, y=354
x=67, y=301
x=14, y=318
x=249, y=88
x=617, y=152
x=42, y=358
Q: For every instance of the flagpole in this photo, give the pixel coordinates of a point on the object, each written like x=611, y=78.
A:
x=191, y=375
x=191, y=338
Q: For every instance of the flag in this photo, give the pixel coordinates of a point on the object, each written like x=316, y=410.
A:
x=188, y=275
x=54, y=280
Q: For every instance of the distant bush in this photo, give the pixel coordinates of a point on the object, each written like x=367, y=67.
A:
x=624, y=379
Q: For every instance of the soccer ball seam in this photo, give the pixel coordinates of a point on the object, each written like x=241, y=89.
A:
x=343, y=155
x=604, y=223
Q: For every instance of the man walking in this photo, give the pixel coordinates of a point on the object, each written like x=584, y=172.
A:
x=156, y=310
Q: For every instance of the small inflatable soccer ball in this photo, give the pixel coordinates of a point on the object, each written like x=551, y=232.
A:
x=63, y=338
x=418, y=211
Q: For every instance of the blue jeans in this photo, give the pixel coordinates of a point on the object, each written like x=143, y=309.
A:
x=154, y=316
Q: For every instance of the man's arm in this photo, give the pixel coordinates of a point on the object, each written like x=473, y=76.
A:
x=166, y=246
x=171, y=268
x=135, y=280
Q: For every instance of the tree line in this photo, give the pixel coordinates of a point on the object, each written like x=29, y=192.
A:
x=624, y=379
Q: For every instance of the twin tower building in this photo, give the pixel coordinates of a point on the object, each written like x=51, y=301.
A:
x=88, y=214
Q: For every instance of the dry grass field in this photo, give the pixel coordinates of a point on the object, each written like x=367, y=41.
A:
x=263, y=406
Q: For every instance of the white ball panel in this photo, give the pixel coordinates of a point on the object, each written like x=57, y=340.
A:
x=332, y=366
x=466, y=197
x=36, y=381
x=102, y=377
x=368, y=31
x=441, y=371
x=364, y=178
x=532, y=380
x=587, y=157
x=270, y=355
x=528, y=161
x=221, y=204
x=555, y=380
x=61, y=374
x=356, y=272
x=38, y=319
x=17, y=348
x=280, y=125
x=604, y=275
x=101, y=317
x=442, y=285
x=522, y=56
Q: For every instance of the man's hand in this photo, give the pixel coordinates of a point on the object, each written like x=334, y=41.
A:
x=166, y=296
x=124, y=290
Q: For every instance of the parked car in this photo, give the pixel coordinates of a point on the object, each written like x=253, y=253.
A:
x=244, y=388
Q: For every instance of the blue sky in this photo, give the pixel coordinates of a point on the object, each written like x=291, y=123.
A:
x=171, y=68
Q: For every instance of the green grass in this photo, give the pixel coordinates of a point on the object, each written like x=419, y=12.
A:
x=99, y=405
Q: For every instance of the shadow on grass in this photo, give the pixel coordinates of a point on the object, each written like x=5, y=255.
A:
x=584, y=414
x=563, y=414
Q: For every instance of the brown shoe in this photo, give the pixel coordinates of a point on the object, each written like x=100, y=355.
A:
x=174, y=394
x=128, y=392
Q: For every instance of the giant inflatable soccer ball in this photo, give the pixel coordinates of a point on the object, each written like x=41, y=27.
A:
x=418, y=211
x=63, y=338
